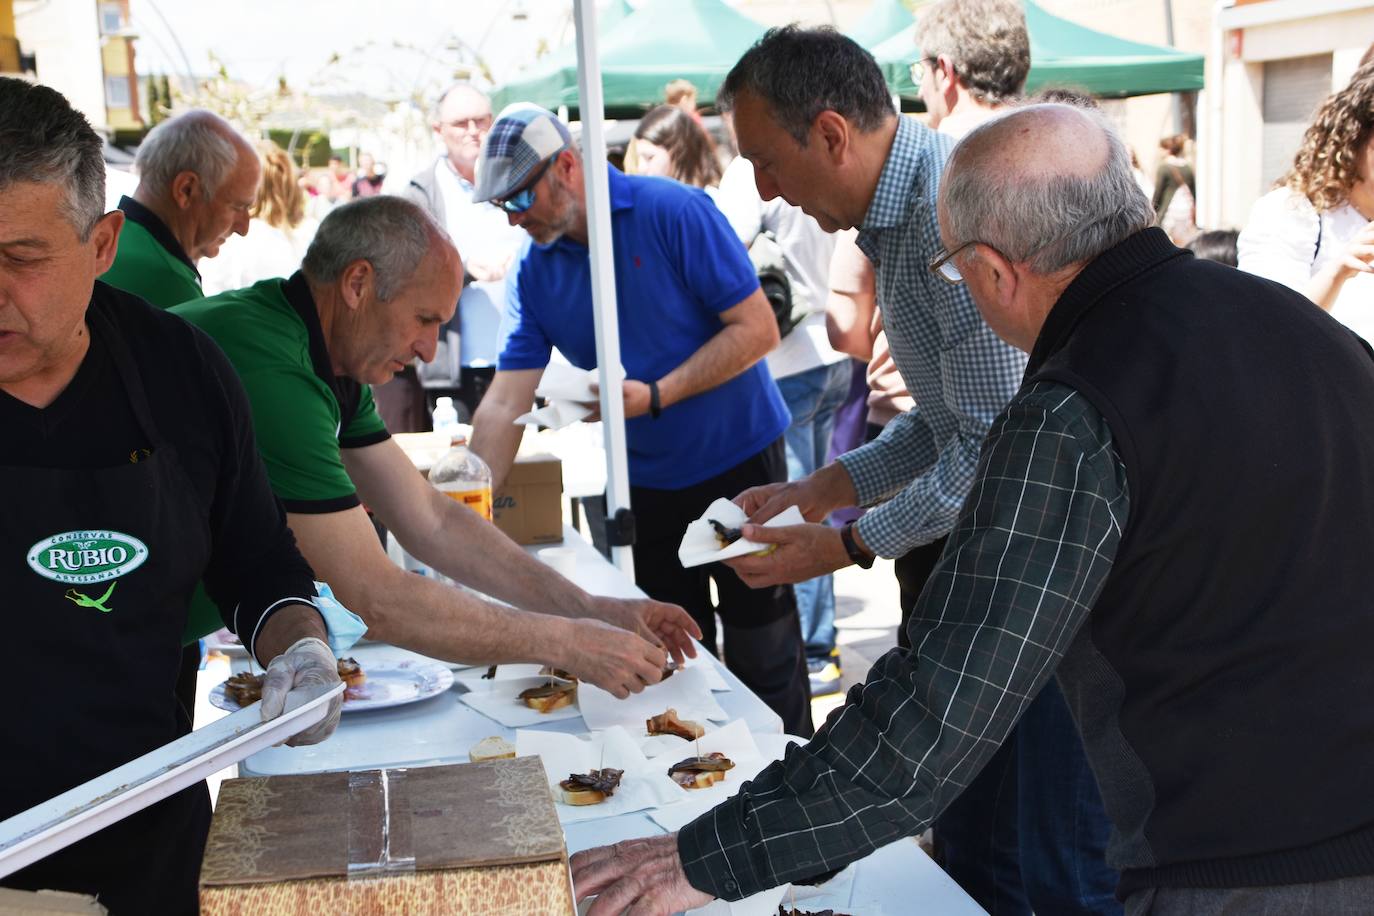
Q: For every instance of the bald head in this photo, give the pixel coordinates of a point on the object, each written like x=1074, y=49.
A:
x=462, y=117
x=1050, y=185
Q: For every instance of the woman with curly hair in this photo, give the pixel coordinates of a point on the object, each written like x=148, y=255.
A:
x=278, y=233
x=670, y=143
x=1315, y=231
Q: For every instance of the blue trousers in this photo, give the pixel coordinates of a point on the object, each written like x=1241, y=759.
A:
x=1029, y=833
x=813, y=397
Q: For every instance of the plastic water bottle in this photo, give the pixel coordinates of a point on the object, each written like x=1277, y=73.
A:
x=464, y=477
x=445, y=417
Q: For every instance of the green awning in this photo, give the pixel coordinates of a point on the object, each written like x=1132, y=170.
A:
x=1064, y=53
x=663, y=40
x=884, y=19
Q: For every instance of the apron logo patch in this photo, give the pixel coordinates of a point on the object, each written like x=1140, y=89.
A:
x=81, y=600
x=87, y=557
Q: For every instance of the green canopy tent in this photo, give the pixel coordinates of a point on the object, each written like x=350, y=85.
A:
x=884, y=19
x=1064, y=53
x=663, y=40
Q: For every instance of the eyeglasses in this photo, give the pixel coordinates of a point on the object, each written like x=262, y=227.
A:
x=918, y=69
x=480, y=123
x=523, y=199
x=942, y=265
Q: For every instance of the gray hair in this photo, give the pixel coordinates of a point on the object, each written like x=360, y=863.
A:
x=1050, y=219
x=390, y=233
x=986, y=40
x=43, y=139
x=801, y=72
x=196, y=141
x=452, y=87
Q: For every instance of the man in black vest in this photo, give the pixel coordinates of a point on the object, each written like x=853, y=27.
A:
x=1171, y=515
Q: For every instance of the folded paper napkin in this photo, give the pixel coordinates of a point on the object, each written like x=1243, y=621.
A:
x=642, y=785
x=700, y=545
x=688, y=691
x=500, y=700
x=570, y=393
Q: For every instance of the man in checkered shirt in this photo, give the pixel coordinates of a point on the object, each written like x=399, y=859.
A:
x=1167, y=517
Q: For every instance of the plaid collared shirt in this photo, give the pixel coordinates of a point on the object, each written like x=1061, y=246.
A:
x=958, y=371
x=1028, y=558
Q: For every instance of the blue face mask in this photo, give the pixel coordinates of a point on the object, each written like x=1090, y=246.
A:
x=345, y=627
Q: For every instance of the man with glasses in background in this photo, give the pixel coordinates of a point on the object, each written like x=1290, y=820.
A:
x=487, y=244
x=704, y=419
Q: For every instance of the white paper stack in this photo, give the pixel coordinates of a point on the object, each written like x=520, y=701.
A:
x=570, y=395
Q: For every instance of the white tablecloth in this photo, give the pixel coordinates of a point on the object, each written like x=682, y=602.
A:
x=898, y=879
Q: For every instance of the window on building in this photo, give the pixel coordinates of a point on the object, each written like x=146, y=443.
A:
x=1293, y=89
x=117, y=92
x=111, y=18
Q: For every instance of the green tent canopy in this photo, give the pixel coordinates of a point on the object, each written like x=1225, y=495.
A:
x=1064, y=53
x=884, y=19
x=663, y=40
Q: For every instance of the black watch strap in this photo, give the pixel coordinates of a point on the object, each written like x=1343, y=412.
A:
x=655, y=407
x=861, y=558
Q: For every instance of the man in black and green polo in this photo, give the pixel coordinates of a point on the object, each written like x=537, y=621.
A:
x=378, y=281
x=198, y=178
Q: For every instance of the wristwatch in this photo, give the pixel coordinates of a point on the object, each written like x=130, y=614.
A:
x=857, y=554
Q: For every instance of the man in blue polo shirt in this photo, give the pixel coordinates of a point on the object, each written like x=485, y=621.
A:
x=704, y=418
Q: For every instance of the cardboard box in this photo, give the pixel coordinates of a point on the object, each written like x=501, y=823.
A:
x=529, y=506
x=474, y=838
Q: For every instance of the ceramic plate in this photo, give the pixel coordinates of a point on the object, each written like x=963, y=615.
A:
x=394, y=684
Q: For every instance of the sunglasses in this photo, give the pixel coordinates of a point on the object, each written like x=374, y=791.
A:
x=523, y=199
x=918, y=69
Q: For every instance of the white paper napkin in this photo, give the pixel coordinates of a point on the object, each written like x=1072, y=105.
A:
x=555, y=415
x=500, y=700
x=562, y=382
x=475, y=678
x=700, y=546
x=563, y=755
x=688, y=692
x=735, y=742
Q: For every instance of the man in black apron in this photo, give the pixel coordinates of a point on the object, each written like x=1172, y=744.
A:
x=128, y=473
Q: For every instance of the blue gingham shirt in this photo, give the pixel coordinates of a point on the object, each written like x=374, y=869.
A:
x=1030, y=554
x=957, y=370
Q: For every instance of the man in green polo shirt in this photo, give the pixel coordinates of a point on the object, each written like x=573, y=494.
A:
x=378, y=281
x=198, y=178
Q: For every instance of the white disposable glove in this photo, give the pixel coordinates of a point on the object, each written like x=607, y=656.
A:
x=308, y=662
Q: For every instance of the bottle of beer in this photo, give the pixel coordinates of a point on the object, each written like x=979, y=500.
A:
x=463, y=476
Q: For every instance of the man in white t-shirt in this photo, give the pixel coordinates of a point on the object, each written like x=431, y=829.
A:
x=812, y=376
x=483, y=236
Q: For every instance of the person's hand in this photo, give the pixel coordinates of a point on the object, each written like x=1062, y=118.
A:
x=802, y=552
x=643, y=877
x=616, y=660
x=816, y=495
x=1358, y=256
x=665, y=624
x=307, y=662
x=635, y=395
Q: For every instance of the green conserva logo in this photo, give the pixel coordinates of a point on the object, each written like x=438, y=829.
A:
x=87, y=557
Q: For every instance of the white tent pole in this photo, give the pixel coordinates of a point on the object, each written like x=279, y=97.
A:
x=603, y=270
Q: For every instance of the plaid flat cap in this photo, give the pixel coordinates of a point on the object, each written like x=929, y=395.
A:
x=523, y=136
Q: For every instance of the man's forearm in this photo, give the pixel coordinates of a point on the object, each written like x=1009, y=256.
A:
x=501, y=568
x=285, y=626
x=447, y=623
x=496, y=438
x=732, y=350
x=883, y=467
